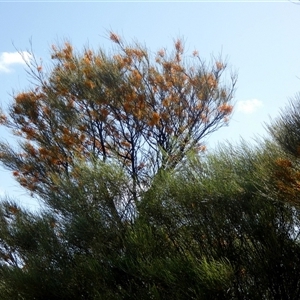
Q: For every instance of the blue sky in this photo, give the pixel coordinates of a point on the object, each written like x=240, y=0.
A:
x=260, y=39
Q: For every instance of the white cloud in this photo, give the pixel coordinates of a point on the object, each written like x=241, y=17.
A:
x=248, y=106
x=10, y=58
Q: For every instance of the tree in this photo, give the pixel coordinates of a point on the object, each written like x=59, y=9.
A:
x=142, y=113
x=101, y=136
x=77, y=250
x=285, y=130
x=220, y=226
x=211, y=230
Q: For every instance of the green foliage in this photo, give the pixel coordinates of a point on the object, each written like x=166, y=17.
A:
x=286, y=128
x=223, y=225
x=210, y=231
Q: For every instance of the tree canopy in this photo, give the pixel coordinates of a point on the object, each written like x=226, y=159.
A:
x=144, y=112
x=111, y=144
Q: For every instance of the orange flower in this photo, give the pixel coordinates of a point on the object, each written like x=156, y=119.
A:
x=178, y=46
x=115, y=38
x=3, y=119
x=119, y=59
x=82, y=137
x=284, y=163
x=90, y=84
x=225, y=108
x=104, y=112
x=125, y=144
x=43, y=151
x=13, y=209
x=127, y=107
x=21, y=97
x=88, y=55
x=166, y=102
x=16, y=173
x=210, y=80
x=136, y=76
x=204, y=118
x=161, y=53
x=201, y=148
x=68, y=51
x=155, y=119
x=30, y=132
x=219, y=65
x=138, y=53
x=23, y=181
x=70, y=66
x=31, y=150
x=98, y=61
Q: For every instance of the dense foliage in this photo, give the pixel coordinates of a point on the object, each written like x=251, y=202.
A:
x=144, y=113
x=133, y=207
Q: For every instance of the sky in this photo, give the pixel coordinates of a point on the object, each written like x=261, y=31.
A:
x=259, y=39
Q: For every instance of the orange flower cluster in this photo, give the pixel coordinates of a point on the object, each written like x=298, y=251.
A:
x=94, y=104
x=115, y=38
x=225, y=109
x=155, y=119
x=287, y=179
